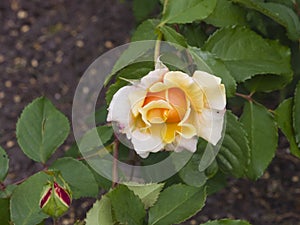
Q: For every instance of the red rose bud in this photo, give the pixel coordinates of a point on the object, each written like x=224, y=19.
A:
x=55, y=200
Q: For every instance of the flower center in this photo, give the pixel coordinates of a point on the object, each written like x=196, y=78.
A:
x=175, y=97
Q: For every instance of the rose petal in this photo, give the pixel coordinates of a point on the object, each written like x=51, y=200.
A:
x=182, y=143
x=213, y=89
x=145, y=142
x=210, y=125
x=119, y=108
x=186, y=83
x=153, y=77
x=159, y=104
x=189, y=144
x=188, y=131
x=136, y=99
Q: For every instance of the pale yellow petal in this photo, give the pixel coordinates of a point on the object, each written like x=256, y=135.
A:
x=153, y=77
x=159, y=104
x=136, y=99
x=214, y=91
x=187, y=84
x=187, y=131
x=144, y=142
x=169, y=131
x=210, y=125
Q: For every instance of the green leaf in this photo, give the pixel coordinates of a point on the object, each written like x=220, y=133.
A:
x=100, y=214
x=176, y=204
x=146, y=31
x=283, y=117
x=263, y=137
x=4, y=211
x=133, y=71
x=216, y=183
x=194, y=34
x=142, y=8
x=205, y=61
x=78, y=176
x=227, y=14
x=3, y=164
x=234, y=154
x=296, y=114
x=187, y=11
x=226, y=222
x=190, y=173
x=281, y=14
x=127, y=207
x=90, y=140
x=24, y=202
x=7, y=192
x=173, y=36
x=251, y=55
x=148, y=193
x=41, y=129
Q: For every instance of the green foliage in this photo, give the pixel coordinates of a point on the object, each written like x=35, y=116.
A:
x=95, y=138
x=41, y=129
x=101, y=213
x=127, y=207
x=4, y=211
x=205, y=61
x=7, y=192
x=148, y=193
x=296, y=114
x=146, y=31
x=24, y=203
x=251, y=55
x=172, y=35
x=4, y=164
x=186, y=11
x=283, y=116
x=280, y=13
x=176, y=204
x=142, y=8
x=78, y=176
x=226, y=222
x=226, y=14
x=263, y=137
x=194, y=34
x=190, y=173
x=234, y=154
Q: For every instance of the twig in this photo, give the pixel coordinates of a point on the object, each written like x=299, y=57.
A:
x=247, y=97
x=115, y=164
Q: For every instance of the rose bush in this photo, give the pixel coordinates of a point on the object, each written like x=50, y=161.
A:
x=170, y=110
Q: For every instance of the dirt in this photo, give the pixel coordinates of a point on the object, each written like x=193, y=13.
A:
x=45, y=46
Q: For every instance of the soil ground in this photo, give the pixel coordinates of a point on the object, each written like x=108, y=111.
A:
x=45, y=46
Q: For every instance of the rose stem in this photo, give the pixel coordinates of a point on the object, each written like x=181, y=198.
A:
x=55, y=222
x=157, y=47
x=115, y=163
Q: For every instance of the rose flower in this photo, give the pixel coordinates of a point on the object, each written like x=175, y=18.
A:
x=169, y=110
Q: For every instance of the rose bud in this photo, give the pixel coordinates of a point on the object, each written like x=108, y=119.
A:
x=55, y=200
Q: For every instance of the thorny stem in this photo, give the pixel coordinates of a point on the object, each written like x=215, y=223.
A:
x=115, y=164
